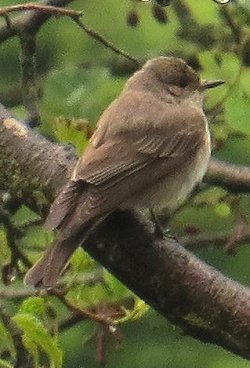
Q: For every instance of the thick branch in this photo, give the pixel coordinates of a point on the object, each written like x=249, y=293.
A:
x=191, y=294
x=206, y=304
x=27, y=170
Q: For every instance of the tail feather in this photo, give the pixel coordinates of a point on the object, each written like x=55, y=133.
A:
x=47, y=270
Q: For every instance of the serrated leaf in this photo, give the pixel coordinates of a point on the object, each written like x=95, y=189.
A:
x=34, y=305
x=36, y=333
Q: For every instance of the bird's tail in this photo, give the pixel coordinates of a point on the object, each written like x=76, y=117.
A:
x=47, y=270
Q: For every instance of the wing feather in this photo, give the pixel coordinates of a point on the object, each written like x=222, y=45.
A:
x=64, y=202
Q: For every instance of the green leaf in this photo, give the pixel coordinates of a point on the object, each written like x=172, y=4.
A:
x=86, y=296
x=36, y=237
x=6, y=341
x=105, y=289
x=4, y=364
x=82, y=262
x=36, y=333
x=67, y=132
x=115, y=288
x=34, y=305
x=24, y=216
x=140, y=308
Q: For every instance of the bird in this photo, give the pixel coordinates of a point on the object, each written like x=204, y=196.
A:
x=151, y=147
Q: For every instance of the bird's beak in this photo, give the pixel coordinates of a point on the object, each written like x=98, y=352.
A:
x=205, y=84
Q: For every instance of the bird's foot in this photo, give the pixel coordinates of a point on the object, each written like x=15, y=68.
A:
x=161, y=231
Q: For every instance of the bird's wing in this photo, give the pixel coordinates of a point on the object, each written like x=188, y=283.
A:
x=111, y=170
x=66, y=199
x=153, y=132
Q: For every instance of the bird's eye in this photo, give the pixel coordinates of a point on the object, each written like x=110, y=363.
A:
x=183, y=82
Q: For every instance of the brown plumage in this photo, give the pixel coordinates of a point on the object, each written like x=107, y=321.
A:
x=150, y=149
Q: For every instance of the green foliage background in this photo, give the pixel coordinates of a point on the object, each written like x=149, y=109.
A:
x=78, y=79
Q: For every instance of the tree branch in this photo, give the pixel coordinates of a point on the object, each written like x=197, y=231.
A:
x=30, y=21
x=191, y=294
x=27, y=156
x=194, y=296
x=234, y=178
x=219, y=239
x=48, y=9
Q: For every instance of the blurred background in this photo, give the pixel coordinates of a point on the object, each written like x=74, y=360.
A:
x=77, y=78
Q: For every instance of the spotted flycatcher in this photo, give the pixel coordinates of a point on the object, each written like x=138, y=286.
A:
x=150, y=148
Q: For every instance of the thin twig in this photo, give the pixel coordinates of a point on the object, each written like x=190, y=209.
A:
x=16, y=293
x=83, y=313
x=31, y=21
x=48, y=9
x=80, y=314
x=75, y=16
x=235, y=178
x=218, y=239
x=99, y=38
